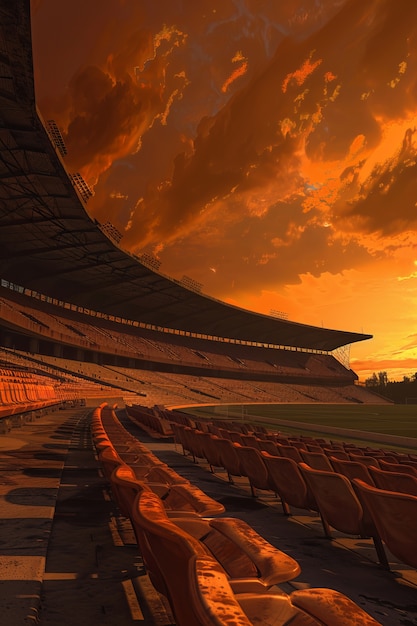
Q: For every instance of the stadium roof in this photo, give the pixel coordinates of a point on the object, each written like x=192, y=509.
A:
x=49, y=243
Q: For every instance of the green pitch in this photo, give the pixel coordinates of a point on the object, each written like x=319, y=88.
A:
x=392, y=419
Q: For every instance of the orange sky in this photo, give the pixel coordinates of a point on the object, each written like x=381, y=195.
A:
x=265, y=149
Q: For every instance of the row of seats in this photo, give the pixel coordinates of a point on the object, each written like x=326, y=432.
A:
x=213, y=570
x=22, y=392
x=147, y=419
x=348, y=495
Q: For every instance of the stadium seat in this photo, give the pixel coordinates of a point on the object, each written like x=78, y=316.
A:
x=242, y=552
x=352, y=469
x=200, y=593
x=229, y=458
x=182, y=498
x=288, y=482
x=253, y=467
x=393, y=481
x=318, y=460
x=340, y=507
x=394, y=515
x=109, y=459
x=159, y=473
x=269, y=446
x=394, y=467
x=213, y=603
x=290, y=452
x=336, y=453
x=211, y=450
x=365, y=460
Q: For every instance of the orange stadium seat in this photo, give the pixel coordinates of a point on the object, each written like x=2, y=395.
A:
x=212, y=603
x=247, y=558
x=290, y=452
x=253, y=467
x=318, y=460
x=352, y=469
x=393, y=481
x=340, y=507
x=394, y=515
x=394, y=467
x=229, y=458
x=182, y=498
x=288, y=482
x=201, y=594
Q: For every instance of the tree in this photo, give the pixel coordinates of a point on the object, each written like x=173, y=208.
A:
x=372, y=381
x=382, y=379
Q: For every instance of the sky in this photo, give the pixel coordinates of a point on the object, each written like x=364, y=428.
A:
x=265, y=149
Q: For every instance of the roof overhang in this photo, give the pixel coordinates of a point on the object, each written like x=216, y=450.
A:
x=49, y=243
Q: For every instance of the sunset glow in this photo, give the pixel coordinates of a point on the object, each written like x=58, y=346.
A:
x=266, y=150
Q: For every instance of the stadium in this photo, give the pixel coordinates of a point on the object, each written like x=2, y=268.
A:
x=102, y=351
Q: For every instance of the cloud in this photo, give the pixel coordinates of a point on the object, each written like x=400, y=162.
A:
x=274, y=142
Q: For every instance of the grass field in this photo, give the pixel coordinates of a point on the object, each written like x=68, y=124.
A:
x=399, y=419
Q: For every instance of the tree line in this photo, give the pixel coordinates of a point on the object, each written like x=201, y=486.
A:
x=401, y=392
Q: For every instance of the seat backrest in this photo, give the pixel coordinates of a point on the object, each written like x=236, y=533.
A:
x=125, y=487
x=250, y=440
x=395, y=516
x=269, y=446
x=318, y=460
x=287, y=481
x=253, y=466
x=394, y=467
x=336, y=499
x=394, y=481
x=166, y=550
x=352, y=469
x=109, y=459
x=290, y=452
x=365, y=460
x=211, y=596
x=211, y=450
x=229, y=458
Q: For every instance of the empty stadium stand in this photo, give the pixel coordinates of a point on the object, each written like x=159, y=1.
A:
x=107, y=488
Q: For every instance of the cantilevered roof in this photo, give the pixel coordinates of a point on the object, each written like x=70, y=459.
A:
x=49, y=243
